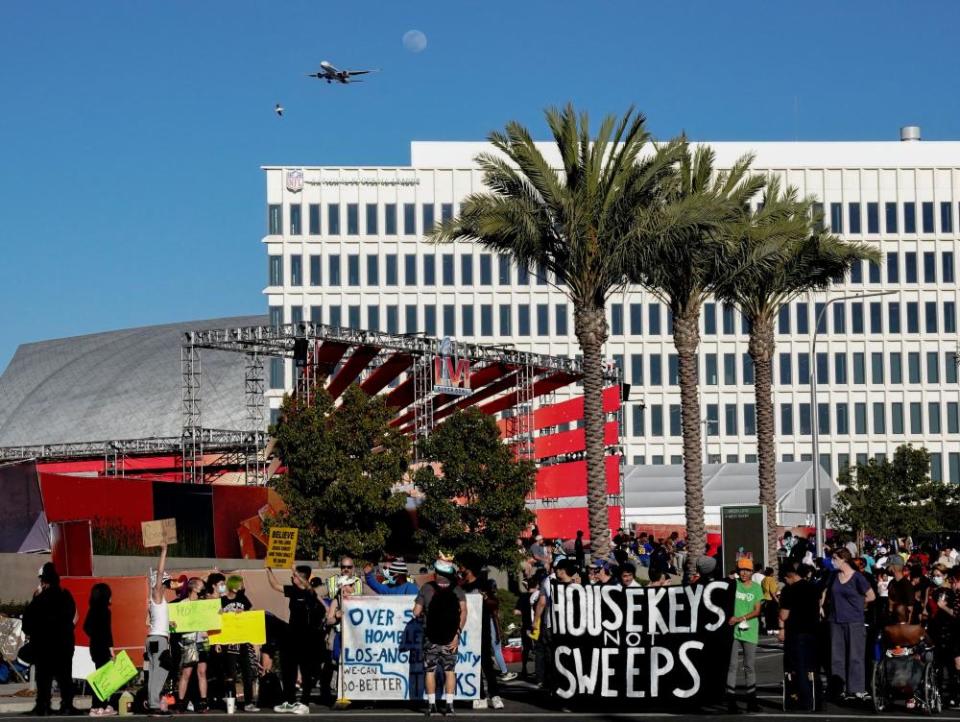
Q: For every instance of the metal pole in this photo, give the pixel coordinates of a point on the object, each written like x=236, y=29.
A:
x=815, y=416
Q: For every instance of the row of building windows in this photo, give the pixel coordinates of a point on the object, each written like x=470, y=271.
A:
x=434, y=269
x=402, y=218
x=395, y=219
x=843, y=461
x=848, y=419
x=906, y=218
x=426, y=273
x=529, y=320
x=910, y=268
x=900, y=317
x=721, y=369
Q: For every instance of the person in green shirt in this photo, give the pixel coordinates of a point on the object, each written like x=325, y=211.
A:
x=745, y=621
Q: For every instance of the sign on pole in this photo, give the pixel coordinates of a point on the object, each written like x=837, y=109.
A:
x=743, y=532
x=383, y=649
x=281, y=548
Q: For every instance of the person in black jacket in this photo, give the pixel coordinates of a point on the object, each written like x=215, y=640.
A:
x=97, y=626
x=48, y=621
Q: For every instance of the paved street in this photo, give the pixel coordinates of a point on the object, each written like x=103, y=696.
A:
x=524, y=702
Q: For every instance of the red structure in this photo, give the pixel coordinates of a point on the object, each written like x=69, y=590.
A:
x=425, y=380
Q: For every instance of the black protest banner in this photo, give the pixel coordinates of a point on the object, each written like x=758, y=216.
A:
x=660, y=644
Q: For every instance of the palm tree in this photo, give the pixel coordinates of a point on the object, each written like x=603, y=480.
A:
x=783, y=254
x=687, y=256
x=579, y=222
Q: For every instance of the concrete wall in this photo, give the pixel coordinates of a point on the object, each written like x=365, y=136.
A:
x=18, y=572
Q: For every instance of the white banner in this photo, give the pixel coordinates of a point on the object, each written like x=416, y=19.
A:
x=383, y=650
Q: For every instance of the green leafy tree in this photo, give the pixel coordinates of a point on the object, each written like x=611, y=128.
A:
x=475, y=502
x=578, y=219
x=888, y=498
x=342, y=463
x=781, y=255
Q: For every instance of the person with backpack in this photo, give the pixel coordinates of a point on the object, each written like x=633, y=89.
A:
x=98, y=628
x=443, y=607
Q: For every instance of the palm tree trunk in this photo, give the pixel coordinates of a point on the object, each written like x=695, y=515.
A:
x=590, y=326
x=761, y=351
x=686, y=338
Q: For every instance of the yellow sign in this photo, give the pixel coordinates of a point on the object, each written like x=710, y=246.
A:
x=200, y=616
x=281, y=548
x=112, y=676
x=241, y=628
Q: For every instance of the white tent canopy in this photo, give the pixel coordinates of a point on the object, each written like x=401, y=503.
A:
x=654, y=494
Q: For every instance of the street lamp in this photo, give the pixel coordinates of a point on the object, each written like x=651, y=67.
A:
x=815, y=416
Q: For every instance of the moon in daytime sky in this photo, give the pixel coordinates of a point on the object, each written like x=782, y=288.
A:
x=414, y=41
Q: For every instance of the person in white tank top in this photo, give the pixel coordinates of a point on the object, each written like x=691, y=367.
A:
x=158, y=634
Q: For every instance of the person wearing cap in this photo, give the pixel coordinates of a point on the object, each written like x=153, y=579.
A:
x=49, y=621
x=395, y=575
x=347, y=571
x=443, y=607
x=746, y=633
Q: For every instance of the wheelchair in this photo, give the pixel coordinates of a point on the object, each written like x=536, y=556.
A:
x=906, y=670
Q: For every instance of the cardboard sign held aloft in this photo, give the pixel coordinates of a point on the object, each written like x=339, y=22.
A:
x=161, y=531
x=107, y=680
x=241, y=628
x=281, y=548
x=199, y=616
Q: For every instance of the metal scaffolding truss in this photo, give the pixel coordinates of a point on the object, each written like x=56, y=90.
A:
x=422, y=401
x=253, y=384
x=192, y=374
x=526, y=378
x=279, y=341
x=115, y=450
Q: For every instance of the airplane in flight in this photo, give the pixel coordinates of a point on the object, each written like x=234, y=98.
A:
x=329, y=73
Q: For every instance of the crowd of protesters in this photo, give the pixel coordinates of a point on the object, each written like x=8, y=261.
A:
x=827, y=607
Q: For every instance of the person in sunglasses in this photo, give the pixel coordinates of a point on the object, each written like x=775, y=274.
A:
x=347, y=571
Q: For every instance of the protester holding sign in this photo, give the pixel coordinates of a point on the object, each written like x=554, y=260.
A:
x=237, y=656
x=193, y=654
x=98, y=628
x=443, y=605
x=48, y=622
x=295, y=651
x=746, y=624
x=158, y=635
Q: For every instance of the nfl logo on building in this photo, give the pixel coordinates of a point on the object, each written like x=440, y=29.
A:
x=294, y=181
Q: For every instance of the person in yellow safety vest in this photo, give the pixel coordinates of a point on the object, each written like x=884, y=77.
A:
x=334, y=582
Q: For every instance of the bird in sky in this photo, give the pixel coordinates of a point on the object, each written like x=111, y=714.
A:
x=278, y=109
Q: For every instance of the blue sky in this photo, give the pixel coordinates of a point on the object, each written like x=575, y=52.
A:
x=132, y=132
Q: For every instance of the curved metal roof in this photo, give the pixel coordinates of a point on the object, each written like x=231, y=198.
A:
x=122, y=384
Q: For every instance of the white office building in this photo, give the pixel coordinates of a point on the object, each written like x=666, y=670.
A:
x=345, y=247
